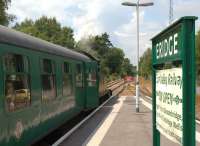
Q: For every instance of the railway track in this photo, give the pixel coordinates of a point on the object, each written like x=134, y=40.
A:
x=110, y=84
x=63, y=132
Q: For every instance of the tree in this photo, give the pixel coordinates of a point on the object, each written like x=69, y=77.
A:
x=5, y=18
x=198, y=53
x=87, y=45
x=48, y=29
x=102, y=44
x=127, y=68
x=67, y=37
x=114, y=59
x=145, y=64
x=27, y=26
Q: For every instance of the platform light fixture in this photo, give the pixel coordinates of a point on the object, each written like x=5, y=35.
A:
x=137, y=5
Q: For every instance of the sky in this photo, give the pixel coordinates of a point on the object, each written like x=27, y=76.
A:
x=94, y=17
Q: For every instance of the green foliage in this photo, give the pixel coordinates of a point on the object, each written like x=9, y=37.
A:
x=145, y=64
x=112, y=62
x=104, y=68
x=198, y=55
x=5, y=18
x=128, y=68
x=48, y=29
x=198, y=47
x=87, y=45
x=102, y=44
x=96, y=45
x=27, y=26
x=67, y=37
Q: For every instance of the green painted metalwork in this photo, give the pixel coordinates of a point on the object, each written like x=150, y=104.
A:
x=183, y=55
x=40, y=117
x=92, y=100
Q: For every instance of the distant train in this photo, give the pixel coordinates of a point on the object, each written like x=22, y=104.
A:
x=42, y=86
x=129, y=79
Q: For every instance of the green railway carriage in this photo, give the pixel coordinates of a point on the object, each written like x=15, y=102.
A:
x=42, y=85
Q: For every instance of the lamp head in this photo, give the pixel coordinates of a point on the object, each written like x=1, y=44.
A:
x=135, y=4
x=129, y=4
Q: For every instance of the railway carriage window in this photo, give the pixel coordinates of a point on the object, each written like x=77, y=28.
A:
x=66, y=68
x=48, y=80
x=48, y=66
x=79, y=76
x=15, y=63
x=67, y=80
x=17, y=85
x=91, y=77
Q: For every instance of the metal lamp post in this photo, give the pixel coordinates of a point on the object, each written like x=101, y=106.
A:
x=137, y=5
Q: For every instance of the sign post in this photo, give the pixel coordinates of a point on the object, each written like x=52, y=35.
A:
x=173, y=83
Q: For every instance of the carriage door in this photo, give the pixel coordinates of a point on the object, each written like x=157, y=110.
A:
x=80, y=86
x=92, y=99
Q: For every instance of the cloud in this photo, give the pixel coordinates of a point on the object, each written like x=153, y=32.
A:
x=98, y=17
x=86, y=17
x=90, y=18
x=127, y=38
x=121, y=34
x=34, y=9
x=87, y=23
x=82, y=15
x=186, y=8
x=94, y=17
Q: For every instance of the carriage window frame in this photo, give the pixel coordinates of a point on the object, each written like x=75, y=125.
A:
x=79, y=75
x=52, y=74
x=67, y=72
x=92, y=82
x=22, y=73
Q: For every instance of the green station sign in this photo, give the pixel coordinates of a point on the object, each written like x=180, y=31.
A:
x=173, y=55
x=168, y=46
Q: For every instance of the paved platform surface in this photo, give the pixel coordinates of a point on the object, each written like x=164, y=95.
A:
x=130, y=128
x=117, y=124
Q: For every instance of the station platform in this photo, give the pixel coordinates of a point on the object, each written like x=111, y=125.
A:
x=117, y=124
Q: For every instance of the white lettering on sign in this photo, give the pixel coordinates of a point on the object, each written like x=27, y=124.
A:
x=167, y=47
x=169, y=103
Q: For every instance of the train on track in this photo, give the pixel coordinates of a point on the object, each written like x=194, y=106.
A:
x=42, y=86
